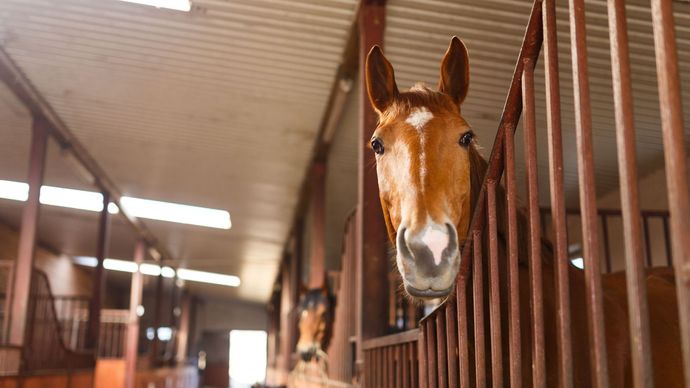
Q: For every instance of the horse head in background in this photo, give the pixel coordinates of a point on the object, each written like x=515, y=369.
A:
x=316, y=313
x=428, y=169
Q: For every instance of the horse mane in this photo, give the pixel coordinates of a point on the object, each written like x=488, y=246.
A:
x=478, y=168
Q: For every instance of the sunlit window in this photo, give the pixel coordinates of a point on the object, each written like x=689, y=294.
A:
x=247, y=357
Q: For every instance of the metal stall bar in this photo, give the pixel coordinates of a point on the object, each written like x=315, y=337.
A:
x=625, y=143
x=535, y=270
x=99, y=276
x=514, y=337
x=585, y=164
x=494, y=291
x=674, y=156
x=478, y=301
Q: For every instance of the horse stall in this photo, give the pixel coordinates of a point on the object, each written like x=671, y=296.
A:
x=574, y=260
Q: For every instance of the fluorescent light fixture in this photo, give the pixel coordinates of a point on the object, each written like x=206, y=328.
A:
x=175, y=212
x=178, y=5
x=16, y=191
x=120, y=265
x=142, y=208
x=208, y=277
x=150, y=269
x=167, y=272
x=74, y=199
x=86, y=261
x=578, y=262
x=164, y=333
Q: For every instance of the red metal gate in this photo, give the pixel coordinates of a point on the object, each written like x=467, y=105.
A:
x=460, y=343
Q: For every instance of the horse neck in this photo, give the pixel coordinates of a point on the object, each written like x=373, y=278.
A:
x=478, y=168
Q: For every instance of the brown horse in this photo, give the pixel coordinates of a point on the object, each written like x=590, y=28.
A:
x=430, y=173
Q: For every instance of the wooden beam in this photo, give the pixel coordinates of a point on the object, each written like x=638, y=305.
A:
x=158, y=312
x=27, y=235
x=99, y=277
x=24, y=90
x=183, y=332
x=132, y=344
x=372, y=258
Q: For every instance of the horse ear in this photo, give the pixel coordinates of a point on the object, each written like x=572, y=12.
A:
x=455, y=71
x=380, y=80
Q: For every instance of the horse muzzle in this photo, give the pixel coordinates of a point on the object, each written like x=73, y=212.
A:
x=428, y=259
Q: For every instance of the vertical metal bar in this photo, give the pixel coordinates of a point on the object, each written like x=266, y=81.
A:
x=647, y=243
x=422, y=357
x=674, y=155
x=478, y=301
x=463, y=336
x=431, y=352
x=404, y=365
x=372, y=255
x=23, y=270
x=442, y=356
x=667, y=242
x=585, y=164
x=558, y=216
x=132, y=345
x=391, y=367
x=385, y=368
x=414, y=363
x=535, y=270
x=494, y=290
x=607, y=248
x=99, y=276
x=515, y=360
x=452, y=344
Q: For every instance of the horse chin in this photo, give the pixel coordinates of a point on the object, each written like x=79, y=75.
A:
x=429, y=293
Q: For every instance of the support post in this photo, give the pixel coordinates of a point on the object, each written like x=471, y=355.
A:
x=27, y=236
x=155, y=344
x=98, y=286
x=183, y=332
x=372, y=259
x=132, y=344
x=317, y=255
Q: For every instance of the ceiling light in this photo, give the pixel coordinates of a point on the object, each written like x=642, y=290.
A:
x=174, y=212
x=16, y=191
x=167, y=272
x=208, y=277
x=86, y=261
x=150, y=269
x=178, y=5
x=120, y=265
x=137, y=207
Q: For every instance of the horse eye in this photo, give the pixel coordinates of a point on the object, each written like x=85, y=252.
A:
x=377, y=146
x=466, y=138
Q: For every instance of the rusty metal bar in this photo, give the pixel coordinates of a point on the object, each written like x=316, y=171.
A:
x=607, y=248
x=451, y=344
x=478, y=302
x=431, y=353
x=585, y=164
x=674, y=156
x=22, y=283
x=647, y=243
x=441, y=356
x=463, y=337
x=514, y=338
x=404, y=366
x=423, y=360
x=99, y=276
x=535, y=270
x=414, y=364
x=132, y=344
x=494, y=290
x=627, y=168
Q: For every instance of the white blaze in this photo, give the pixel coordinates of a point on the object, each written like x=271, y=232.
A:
x=436, y=239
x=419, y=117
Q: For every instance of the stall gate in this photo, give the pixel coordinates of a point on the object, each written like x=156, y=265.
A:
x=459, y=343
